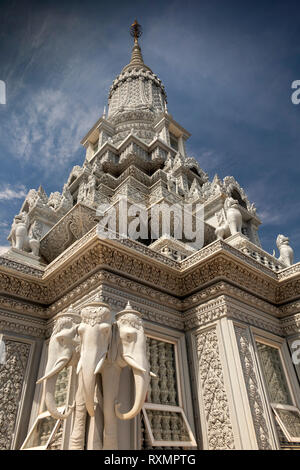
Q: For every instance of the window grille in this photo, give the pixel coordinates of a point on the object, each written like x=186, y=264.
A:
x=164, y=423
x=46, y=432
x=281, y=400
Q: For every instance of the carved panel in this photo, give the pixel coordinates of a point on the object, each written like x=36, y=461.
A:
x=12, y=375
x=256, y=406
x=69, y=229
x=216, y=408
x=274, y=374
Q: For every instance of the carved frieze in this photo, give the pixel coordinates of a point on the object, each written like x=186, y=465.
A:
x=222, y=306
x=138, y=261
x=291, y=324
x=22, y=325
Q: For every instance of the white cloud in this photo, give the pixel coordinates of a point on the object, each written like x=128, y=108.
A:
x=8, y=192
x=270, y=216
x=47, y=132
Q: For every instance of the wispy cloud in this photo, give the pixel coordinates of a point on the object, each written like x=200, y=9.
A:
x=8, y=192
x=48, y=131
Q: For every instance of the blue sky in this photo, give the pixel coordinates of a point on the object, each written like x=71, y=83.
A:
x=227, y=67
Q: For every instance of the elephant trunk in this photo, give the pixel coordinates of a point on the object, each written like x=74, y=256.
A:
x=50, y=379
x=141, y=380
x=90, y=367
x=50, y=399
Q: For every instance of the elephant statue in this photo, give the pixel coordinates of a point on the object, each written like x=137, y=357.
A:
x=128, y=348
x=19, y=237
x=63, y=351
x=234, y=220
x=286, y=251
x=95, y=334
x=81, y=341
x=99, y=351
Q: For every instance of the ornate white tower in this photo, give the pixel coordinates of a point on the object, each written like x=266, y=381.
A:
x=202, y=354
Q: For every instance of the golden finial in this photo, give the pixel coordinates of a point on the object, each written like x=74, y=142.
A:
x=136, y=30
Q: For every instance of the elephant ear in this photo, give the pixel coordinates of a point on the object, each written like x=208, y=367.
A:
x=114, y=344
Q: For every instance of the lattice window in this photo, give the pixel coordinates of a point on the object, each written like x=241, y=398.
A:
x=42, y=433
x=61, y=387
x=46, y=432
x=164, y=423
x=281, y=399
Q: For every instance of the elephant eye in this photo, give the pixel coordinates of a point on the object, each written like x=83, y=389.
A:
x=130, y=336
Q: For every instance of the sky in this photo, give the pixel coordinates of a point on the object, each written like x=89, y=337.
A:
x=227, y=67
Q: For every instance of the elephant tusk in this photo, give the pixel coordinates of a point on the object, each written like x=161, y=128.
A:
x=100, y=364
x=132, y=363
x=153, y=375
x=79, y=366
x=59, y=365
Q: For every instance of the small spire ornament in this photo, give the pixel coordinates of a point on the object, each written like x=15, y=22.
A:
x=136, y=30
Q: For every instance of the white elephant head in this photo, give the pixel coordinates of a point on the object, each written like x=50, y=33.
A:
x=63, y=351
x=132, y=352
x=128, y=348
x=95, y=335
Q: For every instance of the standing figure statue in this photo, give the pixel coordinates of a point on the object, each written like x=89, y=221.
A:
x=234, y=220
x=19, y=237
x=286, y=251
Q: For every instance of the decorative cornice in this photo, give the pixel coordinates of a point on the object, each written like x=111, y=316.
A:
x=288, y=272
x=20, y=267
x=224, y=306
x=130, y=259
x=291, y=325
x=222, y=287
x=206, y=313
x=22, y=325
x=22, y=307
x=288, y=309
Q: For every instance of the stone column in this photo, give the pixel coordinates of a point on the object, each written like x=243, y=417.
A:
x=89, y=151
x=216, y=425
x=231, y=405
x=181, y=146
